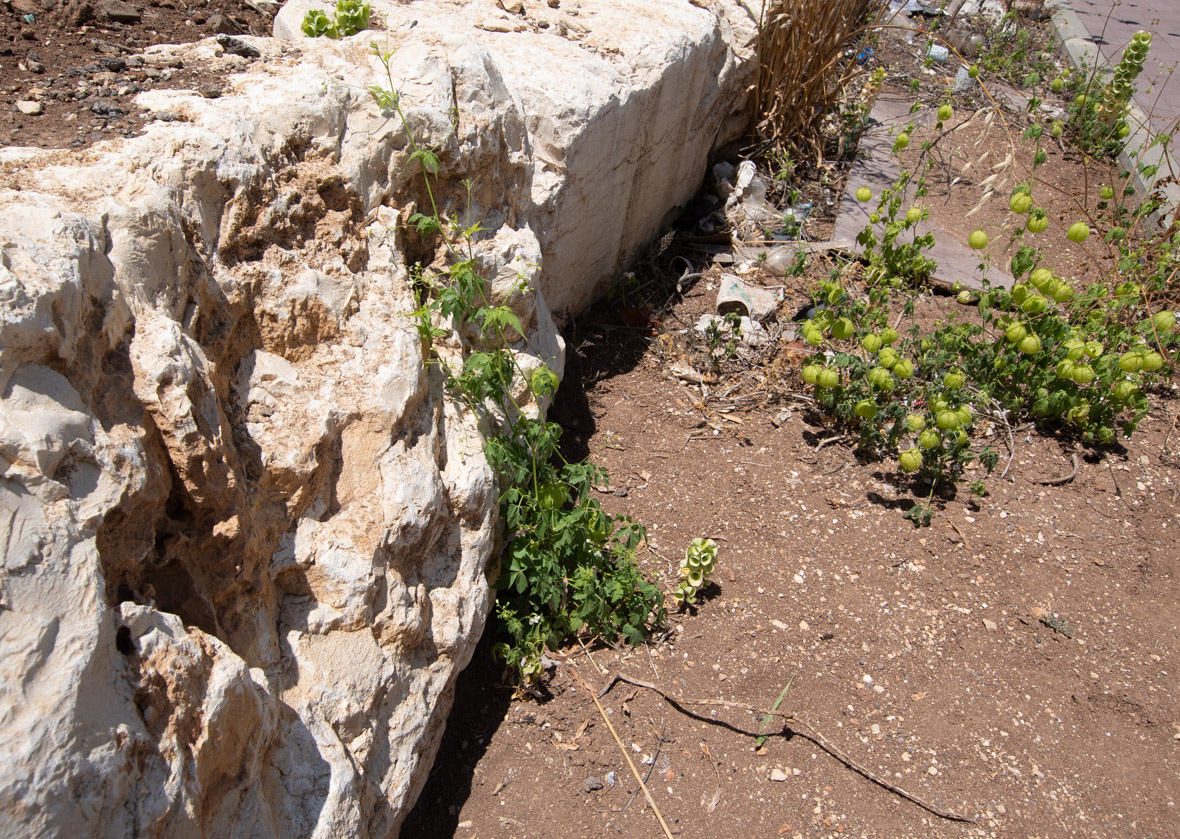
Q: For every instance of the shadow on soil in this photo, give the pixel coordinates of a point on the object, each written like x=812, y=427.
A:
x=586, y=364
x=597, y=349
x=481, y=703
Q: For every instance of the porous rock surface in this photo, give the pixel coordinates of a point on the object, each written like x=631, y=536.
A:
x=246, y=535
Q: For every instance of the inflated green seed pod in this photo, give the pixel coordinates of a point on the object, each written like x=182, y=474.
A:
x=1117, y=96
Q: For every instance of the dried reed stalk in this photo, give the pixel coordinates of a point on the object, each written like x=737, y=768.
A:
x=803, y=68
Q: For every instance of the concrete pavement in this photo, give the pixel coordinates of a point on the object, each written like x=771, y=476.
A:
x=1096, y=31
x=1110, y=25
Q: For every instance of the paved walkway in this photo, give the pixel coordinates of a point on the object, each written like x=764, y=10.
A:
x=1110, y=25
x=877, y=168
x=1087, y=27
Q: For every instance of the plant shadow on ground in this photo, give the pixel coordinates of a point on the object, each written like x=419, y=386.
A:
x=481, y=704
x=918, y=490
x=709, y=593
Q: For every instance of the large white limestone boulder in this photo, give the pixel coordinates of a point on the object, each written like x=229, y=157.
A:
x=246, y=533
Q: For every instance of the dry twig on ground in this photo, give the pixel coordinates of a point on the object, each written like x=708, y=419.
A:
x=1063, y=480
x=791, y=723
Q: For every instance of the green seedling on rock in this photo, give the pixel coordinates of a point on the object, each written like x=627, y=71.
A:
x=349, y=18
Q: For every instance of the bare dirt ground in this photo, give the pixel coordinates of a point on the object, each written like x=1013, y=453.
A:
x=1015, y=664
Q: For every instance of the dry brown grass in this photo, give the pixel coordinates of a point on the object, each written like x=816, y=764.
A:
x=803, y=69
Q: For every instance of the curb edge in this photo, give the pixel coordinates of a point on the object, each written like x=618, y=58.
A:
x=1075, y=44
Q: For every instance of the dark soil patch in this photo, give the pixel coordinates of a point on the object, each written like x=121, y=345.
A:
x=80, y=63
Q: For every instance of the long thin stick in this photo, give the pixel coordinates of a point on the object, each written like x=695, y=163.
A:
x=646, y=775
x=619, y=743
x=1011, y=446
x=592, y=661
x=800, y=727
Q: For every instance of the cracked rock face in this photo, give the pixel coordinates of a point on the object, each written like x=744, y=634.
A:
x=245, y=533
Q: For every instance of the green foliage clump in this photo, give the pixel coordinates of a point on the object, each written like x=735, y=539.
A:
x=1020, y=53
x=349, y=18
x=897, y=261
x=1098, y=113
x=700, y=558
x=1117, y=96
x=1073, y=363
x=1076, y=361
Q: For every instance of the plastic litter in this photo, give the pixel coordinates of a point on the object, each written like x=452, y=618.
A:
x=915, y=7
x=938, y=52
x=962, y=81
x=747, y=205
x=780, y=260
x=734, y=295
x=750, y=332
x=748, y=183
x=749, y=212
x=793, y=219
x=724, y=173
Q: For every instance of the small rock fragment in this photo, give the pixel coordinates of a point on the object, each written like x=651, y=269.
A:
x=236, y=46
x=591, y=784
x=990, y=625
x=209, y=91
x=777, y=774
x=106, y=109
x=118, y=11
x=221, y=24
x=29, y=108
